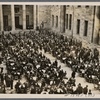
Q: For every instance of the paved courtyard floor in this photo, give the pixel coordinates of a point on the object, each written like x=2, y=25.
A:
x=69, y=71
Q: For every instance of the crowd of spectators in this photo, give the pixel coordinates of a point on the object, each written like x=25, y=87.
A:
x=23, y=57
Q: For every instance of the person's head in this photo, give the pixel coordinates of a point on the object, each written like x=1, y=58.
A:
x=86, y=85
x=79, y=84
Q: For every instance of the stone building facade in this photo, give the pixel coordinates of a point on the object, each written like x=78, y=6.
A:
x=79, y=21
x=82, y=22
x=18, y=16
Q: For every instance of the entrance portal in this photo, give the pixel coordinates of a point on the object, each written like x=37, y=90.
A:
x=17, y=22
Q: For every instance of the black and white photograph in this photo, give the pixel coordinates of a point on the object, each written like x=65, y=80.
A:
x=50, y=49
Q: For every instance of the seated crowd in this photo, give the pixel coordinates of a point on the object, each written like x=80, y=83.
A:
x=23, y=57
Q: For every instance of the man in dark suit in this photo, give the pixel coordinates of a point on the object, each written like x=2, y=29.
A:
x=79, y=89
x=85, y=89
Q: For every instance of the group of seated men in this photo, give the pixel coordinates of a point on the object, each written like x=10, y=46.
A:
x=21, y=54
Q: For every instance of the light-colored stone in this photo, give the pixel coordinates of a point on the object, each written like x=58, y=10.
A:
x=13, y=17
x=1, y=18
x=24, y=16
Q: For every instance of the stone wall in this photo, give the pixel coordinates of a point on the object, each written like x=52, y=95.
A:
x=96, y=34
x=83, y=14
x=45, y=15
x=55, y=10
x=69, y=11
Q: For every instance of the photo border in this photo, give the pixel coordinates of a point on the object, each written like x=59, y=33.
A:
x=58, y=94
x=49, y=0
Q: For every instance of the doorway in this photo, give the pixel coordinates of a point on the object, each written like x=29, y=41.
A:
x=5, y=21
x=17, y=21
x=27, y=21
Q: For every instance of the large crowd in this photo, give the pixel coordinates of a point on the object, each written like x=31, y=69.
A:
x=23, y=57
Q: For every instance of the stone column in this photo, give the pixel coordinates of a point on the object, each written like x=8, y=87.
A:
x=62, y=18
x=38, y=15
x=96, y=35
x=1, y=17
x=72, y=23
x=24, y=16
x=13, y=17
x=34, y=16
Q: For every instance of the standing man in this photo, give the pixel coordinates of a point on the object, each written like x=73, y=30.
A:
x=79, y=89
x=73, y=74
x=85, y=89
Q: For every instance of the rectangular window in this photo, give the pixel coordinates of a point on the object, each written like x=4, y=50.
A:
x=66, y=21
x=52, y=20
x=16, y=9
x=56, y=21
x=87, y=6
x=78, y=26
x=70, y=21
x=85, y=28
x=79, y=6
